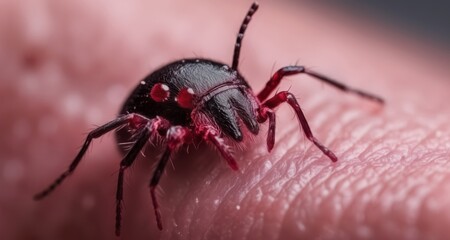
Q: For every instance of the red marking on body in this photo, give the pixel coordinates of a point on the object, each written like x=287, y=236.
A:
x=185, y=98
x=160, y=92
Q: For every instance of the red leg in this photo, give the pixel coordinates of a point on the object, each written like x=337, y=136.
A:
x=176, y=136
x=212, y=135
x=96, y=133
x=292, y=70
x=264, y=114
x=288, y=97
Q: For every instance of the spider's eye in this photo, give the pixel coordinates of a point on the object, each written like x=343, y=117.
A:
x=185, y=98
x=160, y=92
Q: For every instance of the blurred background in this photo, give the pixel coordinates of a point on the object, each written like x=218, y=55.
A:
x=429, y=19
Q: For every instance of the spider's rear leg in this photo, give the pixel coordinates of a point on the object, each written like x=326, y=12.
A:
x=293, y=70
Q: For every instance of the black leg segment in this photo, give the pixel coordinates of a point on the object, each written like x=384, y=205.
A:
x=142, y=139
x=98, y=132
x=240, y=36
x=292, y=70
x=176, y=136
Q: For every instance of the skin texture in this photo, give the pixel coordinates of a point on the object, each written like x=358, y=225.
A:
x=67, y=66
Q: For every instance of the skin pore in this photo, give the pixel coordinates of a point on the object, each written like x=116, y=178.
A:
x=69, y=65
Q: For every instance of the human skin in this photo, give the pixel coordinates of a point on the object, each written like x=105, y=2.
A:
x=67, y=66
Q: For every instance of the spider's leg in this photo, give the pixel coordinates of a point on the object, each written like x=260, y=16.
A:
x=96, y=133
x=211, y=135
x=288, y=97
x=142, y=138
x=265, y=113
x=176, y=136
x=292, y=70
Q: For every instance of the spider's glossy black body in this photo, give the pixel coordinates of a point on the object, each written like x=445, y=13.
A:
x=201, y=99
x=222, y=96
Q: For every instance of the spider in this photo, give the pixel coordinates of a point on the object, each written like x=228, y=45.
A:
x=198, y=100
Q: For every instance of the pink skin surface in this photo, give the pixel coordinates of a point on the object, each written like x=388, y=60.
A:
x=67, y=65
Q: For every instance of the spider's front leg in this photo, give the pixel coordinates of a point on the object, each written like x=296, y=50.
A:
x=211, y=135
x=142, y=138
x=176, y=136
x=265, y=112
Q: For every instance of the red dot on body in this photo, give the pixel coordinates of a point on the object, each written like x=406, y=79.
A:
x=185, y=98
x=160, y=92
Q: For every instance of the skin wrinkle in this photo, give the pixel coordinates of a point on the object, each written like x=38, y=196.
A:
x=338, y=134
x=324, y=194
x=376, y=150
x=431, y=200
x=343, y=134
x=335, y=182
x=333, y=196
x=194, y=216
x=217, y=213
x=281, y=185
x=217, y=176
x=408, y=219
x=274, y=167
x=416, y=152
x=182, y=210
x=428, y=138
x=225, y=199
x=331, y=178
x=366, y=207
x=419, y=151
x=298, y=199
x=318, y=175
x=359, y=213
x=437, y=147
x=365, y=179
x=415, y=197
x=281, y=193
x=289, y=186
x=258, y=187
x=393, y=176
x=265, y=179
x=254, y=187
x=172, y=227
x=375, y=191
x=399, y=183
x=352, y=148
x=301, y=192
